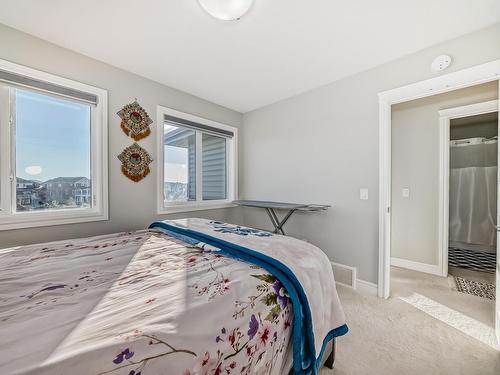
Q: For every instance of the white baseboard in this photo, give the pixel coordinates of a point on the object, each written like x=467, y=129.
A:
x=497, y=328
x=416, y=266
x=366, y=287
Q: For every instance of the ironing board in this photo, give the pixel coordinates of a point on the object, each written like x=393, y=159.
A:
x=270, y=208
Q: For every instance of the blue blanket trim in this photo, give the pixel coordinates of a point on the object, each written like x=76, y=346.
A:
x=339, y=331
x=304, y=358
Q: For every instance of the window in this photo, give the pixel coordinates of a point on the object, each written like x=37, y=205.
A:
x=180, y=164
x=197, y=169
x=53, y=148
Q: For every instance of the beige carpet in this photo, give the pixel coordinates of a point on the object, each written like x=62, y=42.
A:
x=393, y=337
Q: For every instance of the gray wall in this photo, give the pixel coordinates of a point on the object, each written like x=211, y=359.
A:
x=415, y=165
x=132, y=205
x=322, y=146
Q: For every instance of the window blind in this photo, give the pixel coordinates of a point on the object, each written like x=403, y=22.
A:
x=197, y=126
x=214, y=167
x=25, y=81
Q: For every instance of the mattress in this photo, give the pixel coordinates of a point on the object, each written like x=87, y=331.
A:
x=145, y=302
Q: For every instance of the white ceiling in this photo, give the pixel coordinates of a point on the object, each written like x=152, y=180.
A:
x=279, y=49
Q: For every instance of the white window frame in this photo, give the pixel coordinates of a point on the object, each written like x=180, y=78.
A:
x=9, y=218
x=231, y=158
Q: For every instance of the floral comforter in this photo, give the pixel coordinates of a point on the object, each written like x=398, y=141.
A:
x=302, y=268
x=141, y=303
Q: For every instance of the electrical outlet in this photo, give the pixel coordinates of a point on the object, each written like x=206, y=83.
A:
x=405, y=192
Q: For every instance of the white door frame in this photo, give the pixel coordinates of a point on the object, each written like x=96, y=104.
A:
x=463, y=78
x=445, y=117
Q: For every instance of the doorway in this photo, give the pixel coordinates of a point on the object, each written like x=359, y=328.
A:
x=463, y=137
x=488, y=72
x=469, y=198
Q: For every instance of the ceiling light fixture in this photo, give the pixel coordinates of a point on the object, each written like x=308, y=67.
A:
x=226, y=10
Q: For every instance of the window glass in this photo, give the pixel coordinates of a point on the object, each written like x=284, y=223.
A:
x=52, y=152
x=179, y=164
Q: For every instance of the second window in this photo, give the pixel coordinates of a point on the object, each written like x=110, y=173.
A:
x=196, y=161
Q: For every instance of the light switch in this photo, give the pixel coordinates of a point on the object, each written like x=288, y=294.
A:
x=363, y=194
x=405, y=192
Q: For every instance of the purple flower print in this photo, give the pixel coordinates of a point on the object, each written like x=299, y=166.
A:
x=253, y=326
x=281, y=294
x=126, y=354
x=277, y=286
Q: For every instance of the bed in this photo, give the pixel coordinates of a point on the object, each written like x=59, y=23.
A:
x=185, y=297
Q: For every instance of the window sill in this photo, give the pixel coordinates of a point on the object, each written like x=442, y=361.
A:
x=194, y=206
x=44, y=219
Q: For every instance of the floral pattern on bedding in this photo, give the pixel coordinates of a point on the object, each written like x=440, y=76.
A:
x=139, y=303
x=222, y=227
x=237, y=351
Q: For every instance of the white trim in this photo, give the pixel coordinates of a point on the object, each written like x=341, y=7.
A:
x=497, y=323
x=497, y=278
x=467, y=77
x=384, y=275
x=343, y=284
x=196, y=206
x=445, y=117
x=464, y=78
x=5, y=160
x=232, y=167
x=469, y=110
x=444, y=199
x=433, y=269
x=198, y=171
x=366, y=287
x=9, y=219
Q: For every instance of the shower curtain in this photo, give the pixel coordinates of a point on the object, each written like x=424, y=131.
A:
x=473, y=194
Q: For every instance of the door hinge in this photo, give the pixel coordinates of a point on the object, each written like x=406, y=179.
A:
x=94, y=200
x=388, y=210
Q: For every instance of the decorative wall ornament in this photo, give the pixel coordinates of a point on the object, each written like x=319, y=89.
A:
x=135, y=121
x=135, y=162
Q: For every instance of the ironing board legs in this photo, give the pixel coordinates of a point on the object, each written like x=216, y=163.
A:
x=278, y=225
